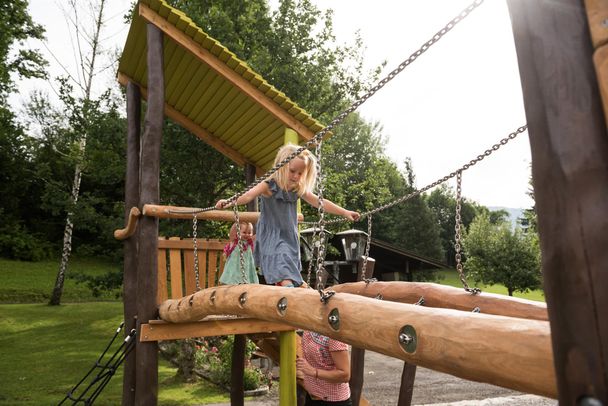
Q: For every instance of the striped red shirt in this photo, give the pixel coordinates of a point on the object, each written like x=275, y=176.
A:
x=317, y=350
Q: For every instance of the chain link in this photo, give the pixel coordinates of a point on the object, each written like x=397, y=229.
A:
x=314, y=253
x=366, y=255
x=318, y=137
x=320, y=266
x=240, y=244
x=466, y=166
x=457, y=238
x=195, y=242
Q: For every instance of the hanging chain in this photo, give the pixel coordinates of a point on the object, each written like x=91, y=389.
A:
x=314, y=254
x=240, y=244
x=195, y=242
x=320, y=268
x=463, y=168
x=368, y=243
x=457, y=238
x=317, y=139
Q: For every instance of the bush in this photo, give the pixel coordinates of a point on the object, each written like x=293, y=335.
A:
x=17, y=243
x=214, y=357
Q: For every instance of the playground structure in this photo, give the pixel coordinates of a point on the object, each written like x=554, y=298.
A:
x=512, y=342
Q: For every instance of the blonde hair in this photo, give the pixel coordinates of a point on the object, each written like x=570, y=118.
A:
x=232, y=234
x=309, y=177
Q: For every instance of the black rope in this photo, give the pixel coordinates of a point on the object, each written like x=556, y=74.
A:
x=106, y=370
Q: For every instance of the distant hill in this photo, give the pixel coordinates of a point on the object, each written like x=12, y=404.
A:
x=514, y=214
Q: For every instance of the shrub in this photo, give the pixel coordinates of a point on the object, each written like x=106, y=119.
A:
x=17, y=243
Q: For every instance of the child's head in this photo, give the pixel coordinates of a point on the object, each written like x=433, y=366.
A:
x=246, y=231
x=299, y=174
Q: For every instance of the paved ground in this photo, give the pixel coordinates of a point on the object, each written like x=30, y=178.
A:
x=383, y=376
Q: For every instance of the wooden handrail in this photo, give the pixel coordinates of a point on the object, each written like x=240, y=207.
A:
x=448, y=297
x=176, y=212
x=129, y=230
x=510, y=352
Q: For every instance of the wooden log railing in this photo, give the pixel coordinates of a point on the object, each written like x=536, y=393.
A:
x=449, y=297
x=505, y=351
x=176, y=212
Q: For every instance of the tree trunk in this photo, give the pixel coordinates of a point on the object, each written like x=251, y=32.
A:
x=69, y=224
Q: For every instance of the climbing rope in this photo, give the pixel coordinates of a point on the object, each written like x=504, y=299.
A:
x=338, y=119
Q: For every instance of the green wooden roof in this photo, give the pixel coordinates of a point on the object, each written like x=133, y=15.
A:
x=210, y=92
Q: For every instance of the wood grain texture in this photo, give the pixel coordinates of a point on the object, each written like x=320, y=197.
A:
x=505, y=351
x=448, y=297
x=569, y=147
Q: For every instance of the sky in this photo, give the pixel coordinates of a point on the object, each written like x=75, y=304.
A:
x=455, y=101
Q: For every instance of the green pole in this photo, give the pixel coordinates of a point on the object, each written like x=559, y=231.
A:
x=287, y=339
x=287, y=369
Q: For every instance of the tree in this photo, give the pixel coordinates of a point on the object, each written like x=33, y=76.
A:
x=18, y=188
x=16, y=26
x=88, y=73
x=498, y=255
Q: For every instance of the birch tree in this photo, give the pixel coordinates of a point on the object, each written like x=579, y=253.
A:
x=87, y=48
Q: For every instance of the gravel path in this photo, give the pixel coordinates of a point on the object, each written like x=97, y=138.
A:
x=382, y=380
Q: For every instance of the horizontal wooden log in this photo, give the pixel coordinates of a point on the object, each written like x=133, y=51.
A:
x=159, y=330
x=129, y=230
x=448, y=297
x=176, y=212
x=505, y=351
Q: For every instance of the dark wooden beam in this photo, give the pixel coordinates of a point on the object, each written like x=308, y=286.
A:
x=569, y=148
x=146, y=390
x=130, y=244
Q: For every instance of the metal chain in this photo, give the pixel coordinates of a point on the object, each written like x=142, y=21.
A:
x=313, y=254
x=366, y=255
x=338, y=119
x=240, y=244
x=195, y=242
x=464, y=167
x=457, y=238
x=320, y=268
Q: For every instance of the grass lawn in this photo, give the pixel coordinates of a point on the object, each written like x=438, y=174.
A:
x=45, y=351
x=32, y=282
x=450, y=277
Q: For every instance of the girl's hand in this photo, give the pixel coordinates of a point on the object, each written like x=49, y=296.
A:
x=351, y=215
x=221, y=204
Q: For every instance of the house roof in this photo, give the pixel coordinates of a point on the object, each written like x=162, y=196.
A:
x=394, y=257
x=210, y=92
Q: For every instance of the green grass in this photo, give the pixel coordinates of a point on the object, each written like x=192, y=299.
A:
x=450, y=277
x=45, y=351
x=32, y=282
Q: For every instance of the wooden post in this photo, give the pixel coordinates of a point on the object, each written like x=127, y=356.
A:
x=130, y=244
x=407, y=384
x=237, y=372
x=357, y=355
x=146, y=390
x=569, y=148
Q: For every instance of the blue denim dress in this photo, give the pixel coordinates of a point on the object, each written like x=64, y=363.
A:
x=277, y=245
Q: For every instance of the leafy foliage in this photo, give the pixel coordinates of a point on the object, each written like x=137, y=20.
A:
x=16, y=27
x=442, y=202
x=498, y=255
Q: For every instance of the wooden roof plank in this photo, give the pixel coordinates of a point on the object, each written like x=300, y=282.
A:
x=221, y=68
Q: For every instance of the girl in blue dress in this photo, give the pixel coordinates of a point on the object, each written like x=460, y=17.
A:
x=277, y=245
